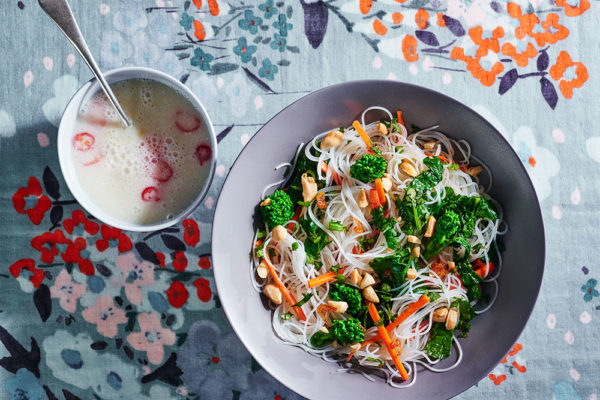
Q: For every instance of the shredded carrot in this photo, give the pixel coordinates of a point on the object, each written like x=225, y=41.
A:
x=324, y=278
x=321, y=203
x=362, y=134
x=336, y=178
x=356, y=249
x=258, y=243
x=386, y=340
x=483, y=269
x=358, y=226
x=441, y=157
x=399, y=118
x=294, y=218
x=322, y=309
x=374, y=196
x=284, y=290
x=410, y=310
x=380, y=191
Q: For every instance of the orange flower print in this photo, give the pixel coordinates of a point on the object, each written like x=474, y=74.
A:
x=526, y=21
x=497, y=376
x=440, y=20
x=570, y=74
x=409, y=48
x=550, y=31
x=379, y=27
x=421, y=18
x=488, y=44
x=365, y=6
x=199, y=31
x=397, y=18
x=486, y=77
x=573, y=11
x=521, y=58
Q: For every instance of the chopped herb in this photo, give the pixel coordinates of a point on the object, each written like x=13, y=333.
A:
x=261, y=234
x=305, y=297
x=453, y=167
x=318, y=265
x=367, y=243
x=392, y=269
x=286, y=316
x=340, y=279
x=342, y=129
x=377, y=360
x=303, y=203
x=440, y=341
x=337, y=226
x=335, y=268
x=316, y=240
x=294, y=246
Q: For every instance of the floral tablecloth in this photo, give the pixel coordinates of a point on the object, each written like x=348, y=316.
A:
x=88, y=311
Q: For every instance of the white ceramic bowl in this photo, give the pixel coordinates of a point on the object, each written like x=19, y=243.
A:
x=66, y=132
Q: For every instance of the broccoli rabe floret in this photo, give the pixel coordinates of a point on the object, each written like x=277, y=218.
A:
x=347, y=331
x=348, y=294
x=368, y=168
x=445, y=228
x=277, y=209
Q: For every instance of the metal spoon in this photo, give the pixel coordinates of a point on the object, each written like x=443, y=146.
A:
x=61, y=13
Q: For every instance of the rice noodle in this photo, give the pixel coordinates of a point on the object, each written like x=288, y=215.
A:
x=293, y=270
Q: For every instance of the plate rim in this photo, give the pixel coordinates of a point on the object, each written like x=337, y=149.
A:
x=317, y=92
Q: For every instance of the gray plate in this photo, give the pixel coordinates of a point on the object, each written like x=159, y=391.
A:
x=492, y=334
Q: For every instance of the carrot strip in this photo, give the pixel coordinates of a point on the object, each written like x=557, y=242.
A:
x=334, y=175
x=399, y=118
x=483, y=269
x=324, y=278
x=374, y=196
x=386, y=340
x=358, y=226
x=284, y=290
x=380, y=191
x=441, y=157
x=410, y=310
x=362, y=134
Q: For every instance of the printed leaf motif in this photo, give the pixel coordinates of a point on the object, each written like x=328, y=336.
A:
x=99, y=345
x=549, y=92
x=222, y=68
x=146, y=253
x=454, y=26
x=543, y=61
x=173, y=243
x=257, y=81
x=223, y=134
x=56, y=215
x=128, y=352
x=19, y=357
x=51, y=183
x=427, y=37
x=293, y=49
x=181, y=339
x=103, y=270
x=283, y=63
x=315, y=22
x=41, y=299
x=508, y=80
x=69, y=396
x=169, y=372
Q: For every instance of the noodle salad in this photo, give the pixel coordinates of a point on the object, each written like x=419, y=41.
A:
x=375, y=246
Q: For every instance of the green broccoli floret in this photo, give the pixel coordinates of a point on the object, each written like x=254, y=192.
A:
x=368, y=168
x=348, y=294
x=277, y=209
x=347, y=331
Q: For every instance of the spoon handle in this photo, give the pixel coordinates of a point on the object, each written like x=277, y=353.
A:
x=61, y=13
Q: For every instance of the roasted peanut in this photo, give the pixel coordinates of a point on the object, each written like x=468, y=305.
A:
x=340, y=306
x=367, y=280
x=362, y=200
x=279, y=233
x=416, y=251
x=355, y=277
x=273, y=293
x=452, y=319
x=429, y=145
x=369, y=294
x=382, y=129
x=411, y=274
x=408, y=169
x=440, y=314
x=386, y=182
x=332, y=139
x=261, y=270
x=413, y=239
x=474, y=171
x=265, y=202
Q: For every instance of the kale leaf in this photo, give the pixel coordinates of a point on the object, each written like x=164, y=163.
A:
x=316, y=240
x=440, y=341
x=392, y=269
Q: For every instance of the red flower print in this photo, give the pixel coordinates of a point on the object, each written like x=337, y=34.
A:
x=73, y=255
x=177, y=294
x=486, y=45
x=557, y=72
x=29, y=200
x=204, y=262
x=571, y=11
x=409, y=48
x=191, y=233
x=161, y=259
x=487, y=78
x=50, y=244
x=36, y=275
x=180, y=261
x=203, y=289
x=526, y=21
x=77, y=219
x=522, y=58
x=422, y=18
x=553, y=31
x=112, y=237
x=497, y=379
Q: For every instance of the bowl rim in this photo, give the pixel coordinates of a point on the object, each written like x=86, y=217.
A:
x=64, y=134
x=529, y=182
